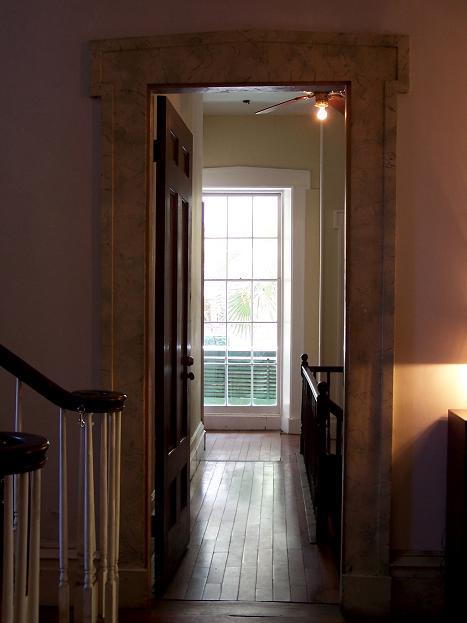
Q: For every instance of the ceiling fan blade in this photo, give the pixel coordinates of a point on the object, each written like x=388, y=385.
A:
x=337, y=102
x=294, y=99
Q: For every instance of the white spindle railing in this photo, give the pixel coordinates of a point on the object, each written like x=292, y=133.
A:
x=8, y=551
x=22, y=457
x=91, y=590
x=99, y=567
x=63, y=578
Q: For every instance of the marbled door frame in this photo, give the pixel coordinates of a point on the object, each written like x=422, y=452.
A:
x=375, y=68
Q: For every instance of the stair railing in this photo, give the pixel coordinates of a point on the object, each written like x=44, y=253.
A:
x=22, y=456
x=99, y=573
x=321, y=447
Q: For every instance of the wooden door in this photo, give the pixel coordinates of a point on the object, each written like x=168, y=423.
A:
x=173, y=155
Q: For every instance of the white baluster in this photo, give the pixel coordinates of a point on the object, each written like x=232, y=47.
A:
x=63, y=579
x=103, y=513
x=21, y=560
x=34, y=548
x=89, y=545
x=18, y=426
x=118, y=453
x=19, y=406
x=8, y=551
x=111, y=588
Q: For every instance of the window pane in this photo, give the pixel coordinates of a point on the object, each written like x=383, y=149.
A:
x=265, y=209
x=239, y=338
x=214, y=384
x=265, y=301
x=215, y=259
x=239, y=259
x=215, y=216
x=239, y=215
x=265, y=258
x=214, y=301
x=239, y=301
x=264, y=337
x=264, y=384
x=214, y=336
x=239, y=385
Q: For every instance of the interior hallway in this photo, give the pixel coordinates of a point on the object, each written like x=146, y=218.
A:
x=250, y=529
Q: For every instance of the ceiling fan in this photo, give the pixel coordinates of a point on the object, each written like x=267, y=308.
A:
x=321, y=99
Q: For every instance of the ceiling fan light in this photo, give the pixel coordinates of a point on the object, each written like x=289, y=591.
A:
x=322, y=113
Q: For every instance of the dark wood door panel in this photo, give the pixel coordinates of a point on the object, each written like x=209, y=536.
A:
x=173, y=226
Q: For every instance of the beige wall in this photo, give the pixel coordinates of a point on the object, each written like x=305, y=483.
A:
x=49, y=176
x=287, y=142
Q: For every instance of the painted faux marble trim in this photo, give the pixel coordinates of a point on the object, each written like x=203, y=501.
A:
x=375, y=70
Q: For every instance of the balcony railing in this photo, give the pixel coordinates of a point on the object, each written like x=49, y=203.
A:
x=240, y=378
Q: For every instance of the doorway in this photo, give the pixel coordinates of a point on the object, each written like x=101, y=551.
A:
x=253, y=207
x=123, y=73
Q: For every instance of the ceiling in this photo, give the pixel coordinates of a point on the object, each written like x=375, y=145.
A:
x=232, y=102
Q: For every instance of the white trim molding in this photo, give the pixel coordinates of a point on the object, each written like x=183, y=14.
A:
x=418, y=583
x=197, y=441
x=294, y=184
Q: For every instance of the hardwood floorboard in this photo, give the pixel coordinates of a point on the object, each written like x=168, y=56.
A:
x=242, y=446
x=171, y=611
x=190, y=611
x=250, y=535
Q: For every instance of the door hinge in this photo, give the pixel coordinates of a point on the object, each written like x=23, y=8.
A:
x=155, y=150
x=153, y=526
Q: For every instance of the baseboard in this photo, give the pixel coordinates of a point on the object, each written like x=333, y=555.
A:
x=134, y=583
x=295, y=426
x=418, y=583
x=213, y=421
x=196, y=447
x=365, y=595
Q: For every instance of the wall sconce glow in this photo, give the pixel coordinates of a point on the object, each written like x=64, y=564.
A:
x=322, y=113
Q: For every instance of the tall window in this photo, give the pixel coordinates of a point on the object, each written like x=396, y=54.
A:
x=241, y=294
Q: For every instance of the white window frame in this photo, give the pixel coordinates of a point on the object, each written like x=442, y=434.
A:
x=293, y=184
x=257, y=410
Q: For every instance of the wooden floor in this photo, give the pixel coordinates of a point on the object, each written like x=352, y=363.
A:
x=243, y=446
x=168, y=611
x=250, y=543
x=250, y=538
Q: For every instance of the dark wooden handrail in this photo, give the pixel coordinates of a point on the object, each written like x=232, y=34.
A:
x=86, y=401
x=321, y=447
x=327, y=370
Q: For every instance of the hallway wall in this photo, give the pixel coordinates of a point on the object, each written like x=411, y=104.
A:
x=283, y=142
x=49, y=176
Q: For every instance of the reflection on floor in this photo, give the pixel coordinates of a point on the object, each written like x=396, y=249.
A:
x=243, y=446
x=249, y=539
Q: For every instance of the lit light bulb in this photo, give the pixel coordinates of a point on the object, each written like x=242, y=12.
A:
x=322, y=113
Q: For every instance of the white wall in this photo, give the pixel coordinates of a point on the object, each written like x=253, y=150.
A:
x=49, y=179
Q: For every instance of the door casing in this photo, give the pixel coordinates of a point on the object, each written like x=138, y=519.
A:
x=374, y=69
